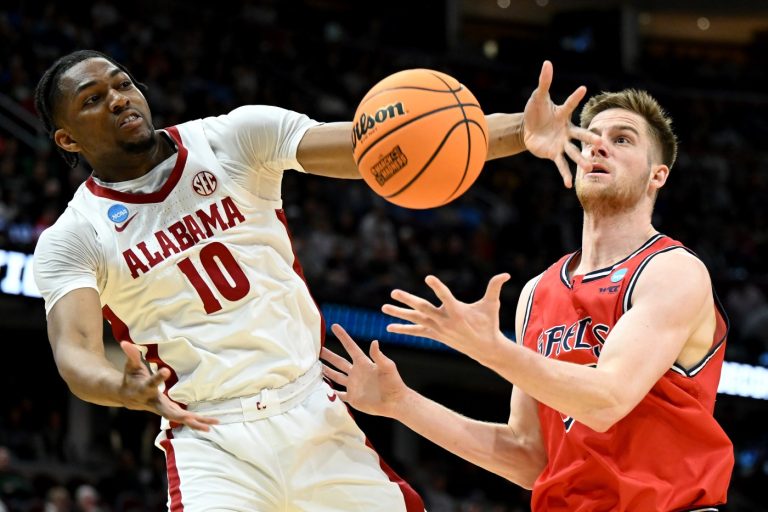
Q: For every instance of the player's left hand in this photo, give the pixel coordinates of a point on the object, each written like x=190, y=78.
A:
x=373, y=383
x=472, y=329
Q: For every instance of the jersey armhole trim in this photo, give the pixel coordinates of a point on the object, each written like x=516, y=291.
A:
x=528, y=308
x=626, y=306
x=695, y=369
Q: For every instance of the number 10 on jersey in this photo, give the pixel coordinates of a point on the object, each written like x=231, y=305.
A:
x=216, y=260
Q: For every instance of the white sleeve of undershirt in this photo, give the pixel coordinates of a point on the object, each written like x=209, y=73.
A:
x=67, y=257
x=256, y=143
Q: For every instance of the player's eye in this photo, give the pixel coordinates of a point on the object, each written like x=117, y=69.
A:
x=90, y=100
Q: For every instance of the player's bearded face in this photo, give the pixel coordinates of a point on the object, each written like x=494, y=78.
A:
x=622, y=164
x=624, y=192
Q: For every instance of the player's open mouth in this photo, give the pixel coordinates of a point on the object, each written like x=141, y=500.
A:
x=597, y=169
x=129, y=120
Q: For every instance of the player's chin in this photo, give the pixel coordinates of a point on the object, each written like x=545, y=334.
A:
x=139, y=142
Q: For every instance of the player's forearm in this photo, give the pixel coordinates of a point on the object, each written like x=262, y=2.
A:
x=582, y=392
x=89, y=376
x=326, y=150
x=505, y=135
x=492, y=446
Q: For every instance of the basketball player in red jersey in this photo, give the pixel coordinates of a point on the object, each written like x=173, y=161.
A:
x=620, y=348
x=179, y=240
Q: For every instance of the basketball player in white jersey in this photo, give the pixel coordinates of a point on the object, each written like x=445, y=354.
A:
x=178, y=239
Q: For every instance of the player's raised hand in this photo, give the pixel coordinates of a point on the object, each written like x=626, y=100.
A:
x=472, y=329
x=547, y=128
x=373, y=383
x=141, y=391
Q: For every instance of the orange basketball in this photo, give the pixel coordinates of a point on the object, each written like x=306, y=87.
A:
x=419, y=138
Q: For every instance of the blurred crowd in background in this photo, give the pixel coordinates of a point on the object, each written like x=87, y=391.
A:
x=319, y=58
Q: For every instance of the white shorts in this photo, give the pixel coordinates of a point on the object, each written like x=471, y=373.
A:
x=272, y=454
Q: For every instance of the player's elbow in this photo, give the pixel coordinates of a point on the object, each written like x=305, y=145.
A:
x=526, y=480
x=601, y=419
x=599, y=423
x=70, y=377
x=523, y=461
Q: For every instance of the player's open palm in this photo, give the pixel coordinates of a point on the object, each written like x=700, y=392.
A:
x=548, y=130
x=373, y=384
x=472, y=329
x=140, y=390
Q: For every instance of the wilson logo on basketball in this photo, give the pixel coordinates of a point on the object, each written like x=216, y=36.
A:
x=389, y=165
x=367, y=122
x=204, y=183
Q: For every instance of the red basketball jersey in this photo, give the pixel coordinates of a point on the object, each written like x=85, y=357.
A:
x=668, y=453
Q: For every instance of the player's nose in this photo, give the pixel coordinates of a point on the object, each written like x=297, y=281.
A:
x=118, y=101
x=598, y=150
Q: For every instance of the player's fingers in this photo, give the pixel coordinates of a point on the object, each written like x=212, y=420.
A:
x=574, y=154
x=133, y=357
x=585, y=136
x=545, y=80
x=176, y=414
x=198, y=424
x=199, y=420
x=158, y=377
x=565, y=170
x=342, y=395
x=377, y=355
x=409, y=329
x=413, y=301
x=337, y=377
x=493, y=290
x=441, y=291
x=349, y=344
x=409, y=315
x=573, y=100
x=335, y=359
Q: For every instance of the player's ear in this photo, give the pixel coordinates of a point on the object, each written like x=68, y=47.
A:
x=64, y=140
x=659, y=175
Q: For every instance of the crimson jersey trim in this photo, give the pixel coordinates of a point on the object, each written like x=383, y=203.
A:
x=597, y=274
x=154, y=197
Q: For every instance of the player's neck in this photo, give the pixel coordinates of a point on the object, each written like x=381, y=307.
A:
x=129, y=166
x=609, y=238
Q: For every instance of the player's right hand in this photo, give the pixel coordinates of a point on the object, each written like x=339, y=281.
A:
x=374, y=385
x=140, y=390
x=548, y=130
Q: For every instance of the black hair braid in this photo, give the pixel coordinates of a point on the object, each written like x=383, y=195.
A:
x=47, y=93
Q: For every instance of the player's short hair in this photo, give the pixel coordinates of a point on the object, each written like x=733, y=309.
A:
x=646, y=106
x=48, y=93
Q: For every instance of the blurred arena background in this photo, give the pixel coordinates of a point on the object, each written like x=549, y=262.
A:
x=706, y=61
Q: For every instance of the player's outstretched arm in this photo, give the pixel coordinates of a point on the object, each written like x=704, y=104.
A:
x=75, y=330
x=544, y=128
x=374, y=386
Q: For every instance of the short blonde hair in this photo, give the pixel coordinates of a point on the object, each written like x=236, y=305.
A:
x=646, y=106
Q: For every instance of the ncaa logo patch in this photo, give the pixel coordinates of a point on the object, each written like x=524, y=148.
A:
x=618, y=275
x=204, y=183
x=117, y=213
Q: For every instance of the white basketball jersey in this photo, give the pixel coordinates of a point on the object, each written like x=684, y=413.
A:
x=202, y=277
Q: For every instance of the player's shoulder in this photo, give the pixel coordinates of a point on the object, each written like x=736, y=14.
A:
x=674, y=273
x=69, y=227
x=676, y=262
x=248, y=115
